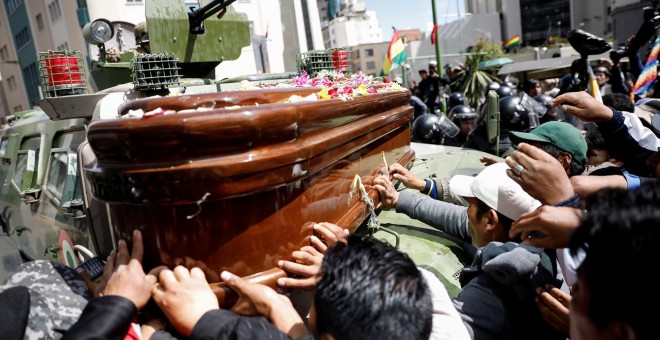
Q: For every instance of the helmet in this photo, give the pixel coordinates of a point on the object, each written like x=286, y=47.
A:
x=602, y=69
x=509, y=84
x=462, y=112
x=504, y=91
x=433, y=63
x=545, y=100
x=513, y=116
x=456, y=98
x=492, y=86
x=425, y=129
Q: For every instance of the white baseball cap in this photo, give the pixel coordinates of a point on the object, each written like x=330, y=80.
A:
x=494, y=187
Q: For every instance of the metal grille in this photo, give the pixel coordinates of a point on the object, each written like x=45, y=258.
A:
x=337, y=59
x=62, y=73
x=155, y=71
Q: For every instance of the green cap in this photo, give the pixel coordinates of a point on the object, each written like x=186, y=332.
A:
x=562, y=135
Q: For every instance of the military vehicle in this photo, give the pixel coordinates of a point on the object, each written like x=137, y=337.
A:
x=48, y=205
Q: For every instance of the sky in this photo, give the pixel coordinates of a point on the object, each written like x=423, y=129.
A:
x=412, y=13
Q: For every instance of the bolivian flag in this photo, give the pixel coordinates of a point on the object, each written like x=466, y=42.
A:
x=396, y=54
x=515, y=41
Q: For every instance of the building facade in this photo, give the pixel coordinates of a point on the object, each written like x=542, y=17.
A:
x=28, y=27
x=538, y=20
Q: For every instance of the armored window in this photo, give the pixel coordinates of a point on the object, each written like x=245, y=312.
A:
x=371, y=65
x=27, y=162
x=57, y=171
x=369, y=52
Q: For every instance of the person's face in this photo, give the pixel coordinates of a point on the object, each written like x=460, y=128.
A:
x=423, y=75
x=581, y=326
x=477, y=225
x=467, y=125
x=535, y=90
x=601, y=78
x=597, y=156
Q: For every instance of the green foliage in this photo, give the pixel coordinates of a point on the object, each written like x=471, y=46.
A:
x=473, y=81
x=53, y=250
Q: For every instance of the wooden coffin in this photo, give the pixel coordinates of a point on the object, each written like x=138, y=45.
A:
x=239, y=188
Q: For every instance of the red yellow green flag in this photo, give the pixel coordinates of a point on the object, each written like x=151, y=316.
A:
x=396, y=54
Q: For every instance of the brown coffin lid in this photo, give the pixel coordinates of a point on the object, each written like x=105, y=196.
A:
x=222, y=150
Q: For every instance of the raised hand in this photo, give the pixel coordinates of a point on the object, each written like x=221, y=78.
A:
x=125, y=276
x=401, y=173
x=547, y=226
x=553, y=304
x=581, y=105
x=184, y=296
x=258, y=299
x=389, y=197
x=541, y=175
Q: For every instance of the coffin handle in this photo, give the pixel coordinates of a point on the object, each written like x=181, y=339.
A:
x=227, y=297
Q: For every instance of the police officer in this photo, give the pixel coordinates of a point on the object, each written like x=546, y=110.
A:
x=464, y=117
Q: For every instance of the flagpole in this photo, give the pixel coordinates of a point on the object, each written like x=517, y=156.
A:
x=438, y=56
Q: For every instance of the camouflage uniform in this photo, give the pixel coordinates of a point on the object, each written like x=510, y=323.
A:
x=58, y=296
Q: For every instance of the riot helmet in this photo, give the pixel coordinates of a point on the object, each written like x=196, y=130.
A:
x=513, y=116
x=546, y=101
x=492, y=86
x=425, y=130
x=462, y=112
x=602, y=69
x=504, y=91
x=456, y=98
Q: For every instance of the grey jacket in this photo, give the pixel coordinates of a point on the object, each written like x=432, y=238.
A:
x=497, y=299
x=447, y=217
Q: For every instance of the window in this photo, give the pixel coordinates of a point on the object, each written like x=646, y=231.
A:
x=357, y=54
x=26, y=163
x=369, y=52
x=54, y=10
x=57, y=172
x=4, y=53
x=22, y=38
x=11, y=83
x=133, y=1
x=40, y=22
x=12, y=5
x=371, y=65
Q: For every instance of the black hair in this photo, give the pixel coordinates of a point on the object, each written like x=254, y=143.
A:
x=370, y=290
x=575, y=168
x=619, y=101
x=483, y=208
x=622, y=237
x=530, y=84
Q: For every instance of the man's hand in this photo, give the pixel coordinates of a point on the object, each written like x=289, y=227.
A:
x=389, y=197
x=487, y=160
x=184, y=296
x=542, y=176
x=258, y=299
x=306, y=264
x=547, y=226
x=583, y=106
x=399, y=172
x=586, y=186
x=553, y=304
x=126, y=277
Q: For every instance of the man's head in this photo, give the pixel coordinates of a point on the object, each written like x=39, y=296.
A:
x=561, y=140
x=370, y=290
x=621, y=231
x=602, y=75
x=423, y=74
x=495, y=202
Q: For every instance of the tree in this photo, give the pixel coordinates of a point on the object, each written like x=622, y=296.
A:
x=473, y=82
